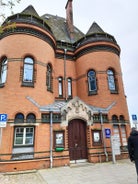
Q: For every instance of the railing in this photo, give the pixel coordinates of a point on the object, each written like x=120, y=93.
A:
x=27, y=18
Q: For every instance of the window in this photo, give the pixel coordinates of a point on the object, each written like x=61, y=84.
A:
x=92, y=82
x=111, y=80
x=60, y=86
x=121, y=119
x=114, y=119
x=19, y=118
x=116, y=134
x=49, y=78
x=24, y=136
x=123, y=135
x=28, y=70
x=69, y=87
x=31, y=118
x=3, y=70
x=58, y=139
x=96, y=136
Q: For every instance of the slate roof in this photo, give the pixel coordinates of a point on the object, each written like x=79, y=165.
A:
x=95, y=28
x=59, y=28
x=30, y=10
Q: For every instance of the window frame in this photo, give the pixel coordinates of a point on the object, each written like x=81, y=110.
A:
x=29, y=118
x=29, y=83
x=3, y=71
x=23, y=136
x=49, y=77
x=55, y=143
x=97, y=133
x=92, y=82
x=112, y=83
x=69, y=80
x=60, y=87
x=18, y=118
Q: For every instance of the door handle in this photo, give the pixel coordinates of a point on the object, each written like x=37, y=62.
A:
x=76, y=145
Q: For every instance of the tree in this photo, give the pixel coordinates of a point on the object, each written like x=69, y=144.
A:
x=5, y=7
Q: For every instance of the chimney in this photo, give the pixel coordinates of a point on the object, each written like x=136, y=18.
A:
x=69, y=18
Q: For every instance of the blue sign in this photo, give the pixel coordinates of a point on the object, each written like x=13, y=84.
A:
x=3, y=117
x=134, y=117
x=107, y=133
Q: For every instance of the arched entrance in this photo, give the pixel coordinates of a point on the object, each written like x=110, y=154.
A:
x=77, y=141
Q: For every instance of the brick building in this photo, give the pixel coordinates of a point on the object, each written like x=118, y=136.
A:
x=61, y=90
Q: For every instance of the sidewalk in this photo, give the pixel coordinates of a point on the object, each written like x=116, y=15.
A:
x=123, y=172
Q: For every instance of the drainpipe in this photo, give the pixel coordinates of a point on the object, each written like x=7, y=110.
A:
x=103, y=133
x=65, y=83
x=51, y=138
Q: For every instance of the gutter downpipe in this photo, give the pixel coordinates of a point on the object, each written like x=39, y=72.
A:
x=51, y=138
x=103, y=133
x=65, y=85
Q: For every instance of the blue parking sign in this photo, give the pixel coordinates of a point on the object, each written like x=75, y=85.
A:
x=107, y=133
x=3, y=117
x=3, y=120
x=134, y=117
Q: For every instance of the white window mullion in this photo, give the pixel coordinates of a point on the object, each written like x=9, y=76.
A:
x=24, y=136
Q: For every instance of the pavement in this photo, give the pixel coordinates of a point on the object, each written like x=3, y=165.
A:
x=122, y=172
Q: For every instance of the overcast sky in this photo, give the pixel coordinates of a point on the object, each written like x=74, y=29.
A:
x=116, y=17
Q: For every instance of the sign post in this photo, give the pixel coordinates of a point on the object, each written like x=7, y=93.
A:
x=3, y=121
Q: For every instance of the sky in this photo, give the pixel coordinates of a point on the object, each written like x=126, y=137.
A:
x=116, y=17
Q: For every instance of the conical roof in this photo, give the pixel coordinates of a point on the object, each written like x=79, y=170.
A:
x=30, y=10
x=95, y=28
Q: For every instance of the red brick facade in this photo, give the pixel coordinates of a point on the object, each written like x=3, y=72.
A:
x=41, y=107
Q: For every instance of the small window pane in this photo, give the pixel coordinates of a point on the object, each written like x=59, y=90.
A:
x=28, y=70
x=111, y=80
x=31, y=118
x=92, y=81
x=19, y=118
x=60, y=86
x=3, y=72
x=69, y=87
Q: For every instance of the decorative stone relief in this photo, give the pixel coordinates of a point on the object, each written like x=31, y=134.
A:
x=76, y=109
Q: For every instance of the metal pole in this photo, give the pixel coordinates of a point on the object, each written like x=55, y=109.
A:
x=51, y=139
x=103, y=133
x=113, y=153
x=0, y=136
x=65, y=85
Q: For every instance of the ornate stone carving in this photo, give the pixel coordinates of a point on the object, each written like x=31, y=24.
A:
x=76, y=109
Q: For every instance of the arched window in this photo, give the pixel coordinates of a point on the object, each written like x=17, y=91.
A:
x=111, y=80
x=122, y=119
x=114, y=119
x=69, y=87
x=28, y=73
x=3, y=70
x=92, y=82
x=60, y=86
x=49, y=78
x=30, y=118
x=19, y=118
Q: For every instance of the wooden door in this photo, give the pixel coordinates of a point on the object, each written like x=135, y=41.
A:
x=77, y=139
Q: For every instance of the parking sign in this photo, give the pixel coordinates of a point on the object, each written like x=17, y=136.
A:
x=3, y=120
x=107, y=133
